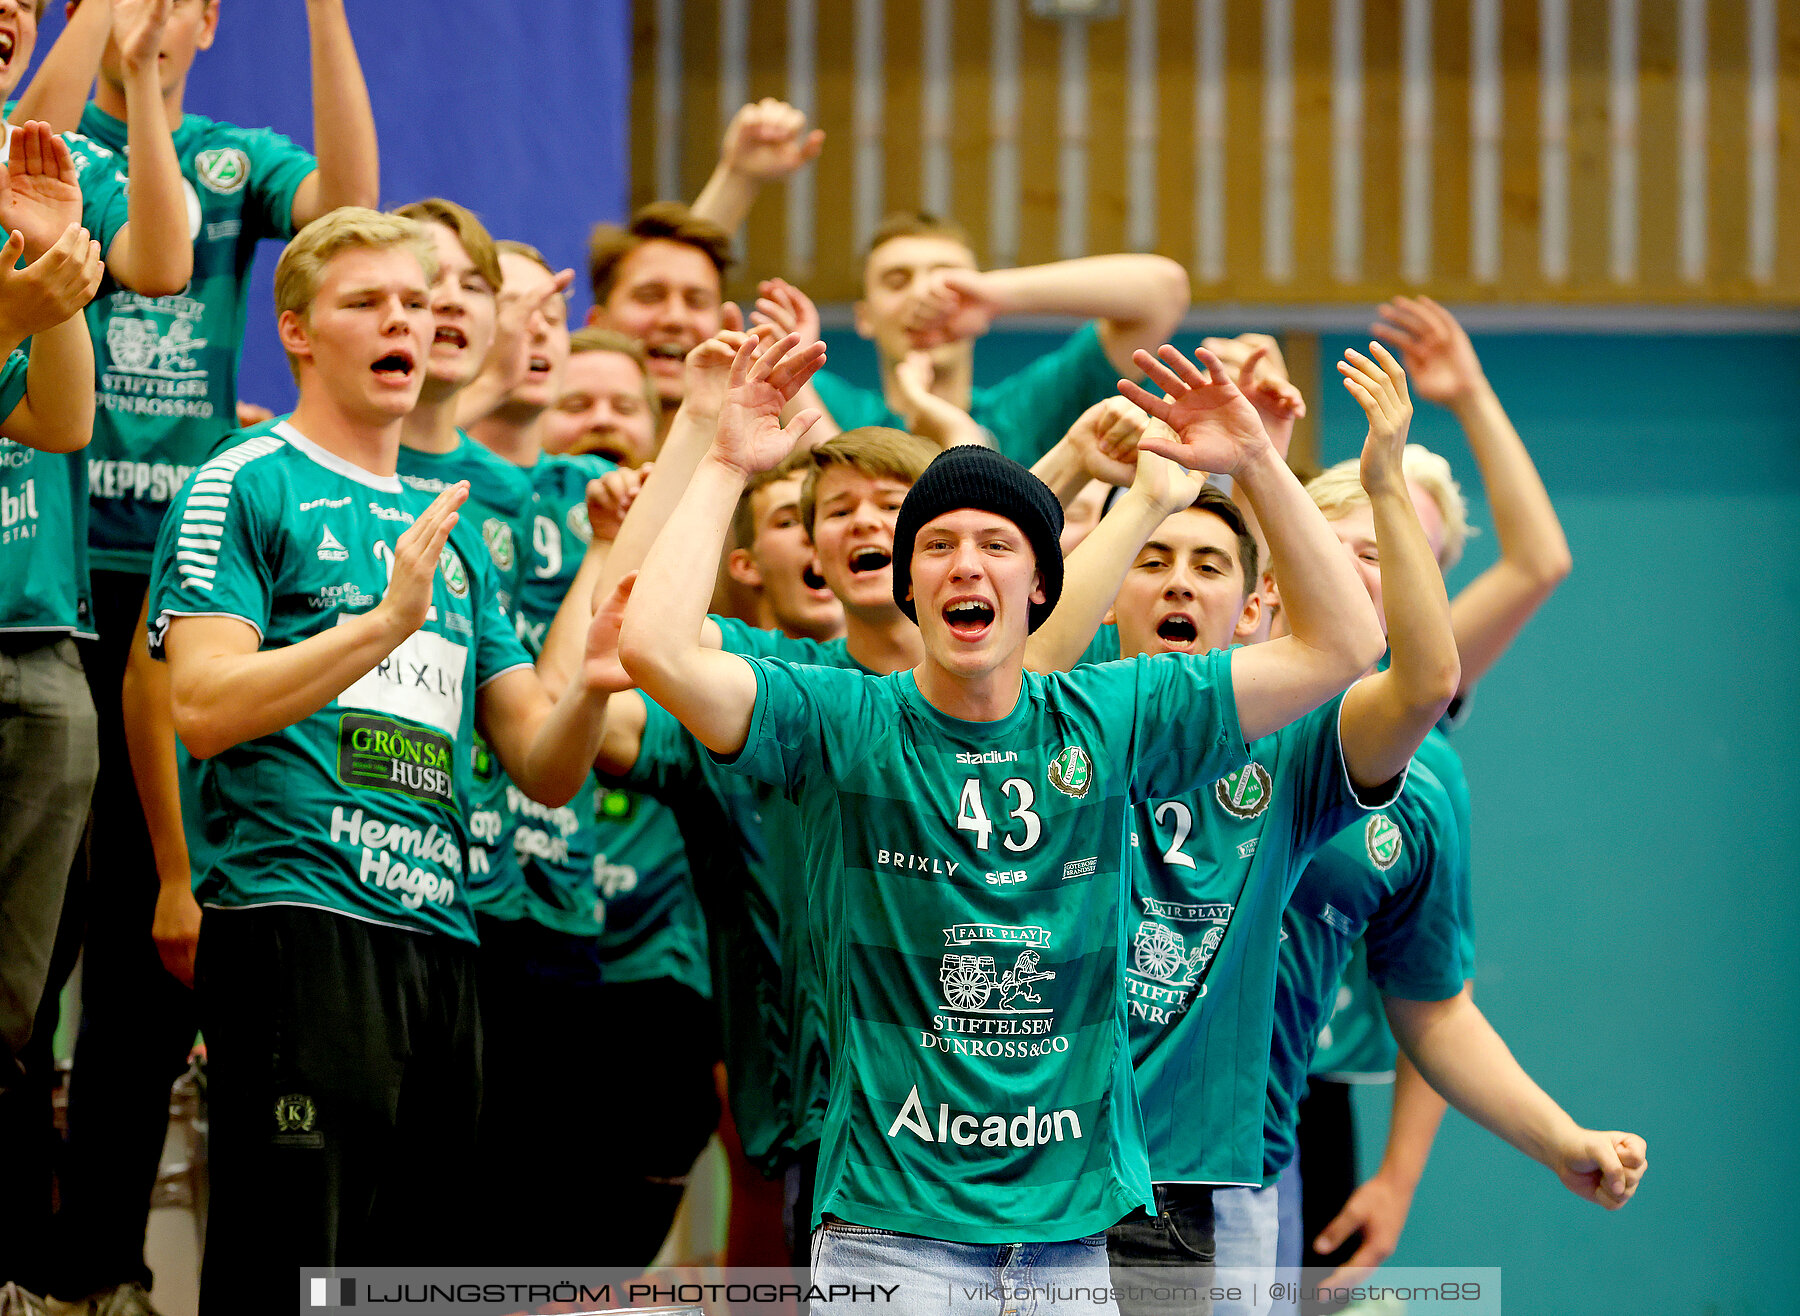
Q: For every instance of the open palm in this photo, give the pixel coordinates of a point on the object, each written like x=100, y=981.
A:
x=763, y=380
x=1216, y=428
x=39, y=192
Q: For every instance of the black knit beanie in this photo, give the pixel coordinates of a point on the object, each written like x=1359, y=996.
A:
x=969, y=476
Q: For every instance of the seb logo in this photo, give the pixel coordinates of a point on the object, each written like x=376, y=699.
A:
x=380, y=754
x=421, y=681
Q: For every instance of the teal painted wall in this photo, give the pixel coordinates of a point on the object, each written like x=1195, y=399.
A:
x=1635, y=767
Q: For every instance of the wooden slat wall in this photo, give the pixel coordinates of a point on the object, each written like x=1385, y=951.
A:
x=836, y=278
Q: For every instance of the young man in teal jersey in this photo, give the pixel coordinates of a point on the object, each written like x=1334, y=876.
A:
x=332, y=637
x=1488, y=614
x=966, y=910
x=47, y=732
x=924, y=298
x=1214, y=867
x=1391, y=886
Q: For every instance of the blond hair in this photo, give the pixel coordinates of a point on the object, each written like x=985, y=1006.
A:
x=467, y=227
x=301, y=269
x=873, y=450
x=1337, y=491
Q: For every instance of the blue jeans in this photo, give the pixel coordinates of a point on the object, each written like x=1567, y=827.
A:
x=1244, y=1233
x=930, y=1277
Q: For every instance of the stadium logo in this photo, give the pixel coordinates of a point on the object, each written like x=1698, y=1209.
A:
x=1072, y=772
x=1244, y=793
x=1383, y=841
x=224, y=170
x=454, y=575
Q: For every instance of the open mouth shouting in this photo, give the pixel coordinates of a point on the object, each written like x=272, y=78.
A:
x=538, y=367
x=810, y=577
x=1178, y=632
x=396, y=368
x=452, y=336
x=9, y=42
x=869, y=558
x=969, y=617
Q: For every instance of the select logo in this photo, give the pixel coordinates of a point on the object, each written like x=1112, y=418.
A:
x=333, y=1292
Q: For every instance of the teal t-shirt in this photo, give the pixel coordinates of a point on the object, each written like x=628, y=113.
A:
x=1214, y=870
x=43, y=559
x=499, y=508
x=1026, y=413
x=1355, y=1044
x=966, y=890
x=651, y=926
x=554, y=846
x=1390, y=880
x=166, y=367
x=357, y=809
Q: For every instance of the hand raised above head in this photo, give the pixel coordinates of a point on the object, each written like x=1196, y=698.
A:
x=764, y=378
x=1216, y=429
x=767, y=140
x=1437, y=353
x=1380, y=387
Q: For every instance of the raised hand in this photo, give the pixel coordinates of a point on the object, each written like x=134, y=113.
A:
x=40, y=195
x=767, y=140
x=954, y=305
x=514, y=306
x=1105, y=438
x=764, y=378
x=928, y=415
x=1602, y=1167
x=708, y=367
x=416, y=553
x=1169, y=487
x=1215, y=427
x=1436, y=352
x=601, y=670
x=138, y=27
x=610, y=497
x=1381, y=389
x=53, y=287
x=787, y=310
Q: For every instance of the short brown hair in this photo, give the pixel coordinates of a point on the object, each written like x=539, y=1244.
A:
x=672, y=221
x=743, y=519
x=469, y=230
x=915, y=224
x=873, y=450
x=513, y=247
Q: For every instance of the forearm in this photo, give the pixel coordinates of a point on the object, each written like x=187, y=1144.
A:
x=682, y=453
x=159, y=247
x=1062, y=470
x=150, y=743
x=343, y=121
x=57, y=411
x=1125, y=289
x=1424, y=668
x=562, y=749
x=727, y=197
x=225, y=699
x=1525, y=522
x=1458, y=1052
x=59, y=92
x=1324, y=603
x=1412, y=1127
x=1091, y=580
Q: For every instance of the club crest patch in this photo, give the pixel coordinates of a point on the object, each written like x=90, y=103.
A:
x=295, y=1114
x=1383, y=841
x=1072, y=772
x=1244, y=793
x=499, y=538
x=455, y=577
x=224, y=170
x=578, y=523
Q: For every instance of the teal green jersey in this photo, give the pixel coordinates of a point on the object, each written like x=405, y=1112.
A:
x=554, y=846
x=966, y=898
x=1025, y=413
x=1390, y=880
x=1355, y=1044
x=499, y=507
x=357, y=809
x=1214, y=869
x=167, y=366
x=651, y=926
x=43, y=558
